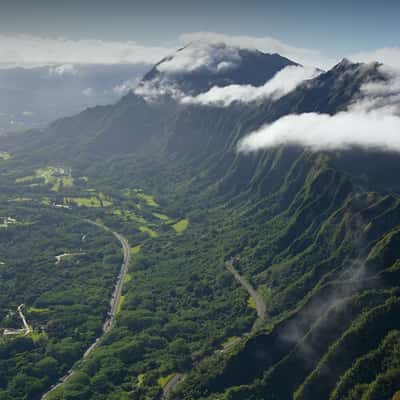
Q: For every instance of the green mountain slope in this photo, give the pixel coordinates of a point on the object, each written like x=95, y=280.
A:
x=316, y=233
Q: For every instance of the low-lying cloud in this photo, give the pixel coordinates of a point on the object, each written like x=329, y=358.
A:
x=388, y=55
x=302, y=55
x=282, y=83
x=373, y=121
x=266, y=44
x=214, y=57
x=152, y=91
x=329, y=132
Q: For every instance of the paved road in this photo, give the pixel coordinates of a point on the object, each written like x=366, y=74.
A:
x=260, y=304
x=170, y=386
x=115, y=299
x=261, y=313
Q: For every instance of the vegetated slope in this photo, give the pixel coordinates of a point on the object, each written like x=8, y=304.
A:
x=316, y=233
x=132, y=125
x=62, y=282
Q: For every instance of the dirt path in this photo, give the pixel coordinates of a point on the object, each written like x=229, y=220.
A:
x=22, y=316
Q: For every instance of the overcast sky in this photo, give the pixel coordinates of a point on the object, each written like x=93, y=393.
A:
x=143, y=30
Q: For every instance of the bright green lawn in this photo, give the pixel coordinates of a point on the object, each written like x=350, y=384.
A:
x=181, y=225
x=163, y=381
x=152, y=233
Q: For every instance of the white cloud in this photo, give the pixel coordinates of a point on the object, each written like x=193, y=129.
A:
x=88, y=92
x=61, y=70
x=282, y=83
x=386, y=55
x=153, y=90
x=31, y=51
x=214, y=57
x=329, y=132
x=371, y=122
x=126, y=87
x=266, y=44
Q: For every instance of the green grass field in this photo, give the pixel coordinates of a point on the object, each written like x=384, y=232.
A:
x=136, y=249
x=181, y=226
x=251, y=303
x=163, y=381
x=55, y=176
x=148, y=199
x=145, y=229
x=5, y=156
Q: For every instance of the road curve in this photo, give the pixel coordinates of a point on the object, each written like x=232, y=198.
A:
x=115, y=300
x=261, y=313
x=260, y=304
x=170, y=386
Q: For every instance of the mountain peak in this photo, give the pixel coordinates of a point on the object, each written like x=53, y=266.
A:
x=345, y=62
x=199, y=66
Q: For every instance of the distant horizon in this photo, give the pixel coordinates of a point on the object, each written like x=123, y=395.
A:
x=319, y=33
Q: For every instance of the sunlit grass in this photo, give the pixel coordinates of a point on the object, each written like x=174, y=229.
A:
x=56, y=176
x=163, y=381
x=136, y=249
x=120, y=303
x=38, y=310
x=140, y=380
x=145, y=229
x=181, y=225
x=127, y=278
x=148, y=199
x=230, y=340
x=5, y=156
x=251, y=303
x=90, y=202
x=163, y=217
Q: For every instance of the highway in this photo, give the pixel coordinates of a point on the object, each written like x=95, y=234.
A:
x=114, y=302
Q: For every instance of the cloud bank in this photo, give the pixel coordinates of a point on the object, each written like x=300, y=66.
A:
x=33, y=51
x=308, y=57
x=302, y=55
x=386, y=55
x=326, y=132
x=282, y=83
x=371, y=122
x=214, y=57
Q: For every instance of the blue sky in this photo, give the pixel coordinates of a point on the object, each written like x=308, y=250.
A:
x=331, y=26
x=335, y=28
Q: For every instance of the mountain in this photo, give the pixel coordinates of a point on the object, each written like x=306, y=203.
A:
x=317, y=232
x=198, y=67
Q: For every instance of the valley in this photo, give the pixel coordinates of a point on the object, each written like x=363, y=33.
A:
x=234, y=273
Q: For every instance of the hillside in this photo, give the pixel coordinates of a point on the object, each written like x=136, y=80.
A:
x=316, y=232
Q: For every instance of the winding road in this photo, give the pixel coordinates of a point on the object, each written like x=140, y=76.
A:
x=115, y=300
x=170, y=386
x=261, y=314
x=260, y=304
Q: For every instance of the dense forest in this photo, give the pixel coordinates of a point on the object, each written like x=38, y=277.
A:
x=316, y=233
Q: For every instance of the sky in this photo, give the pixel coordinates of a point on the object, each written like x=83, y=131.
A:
x=331, y=28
